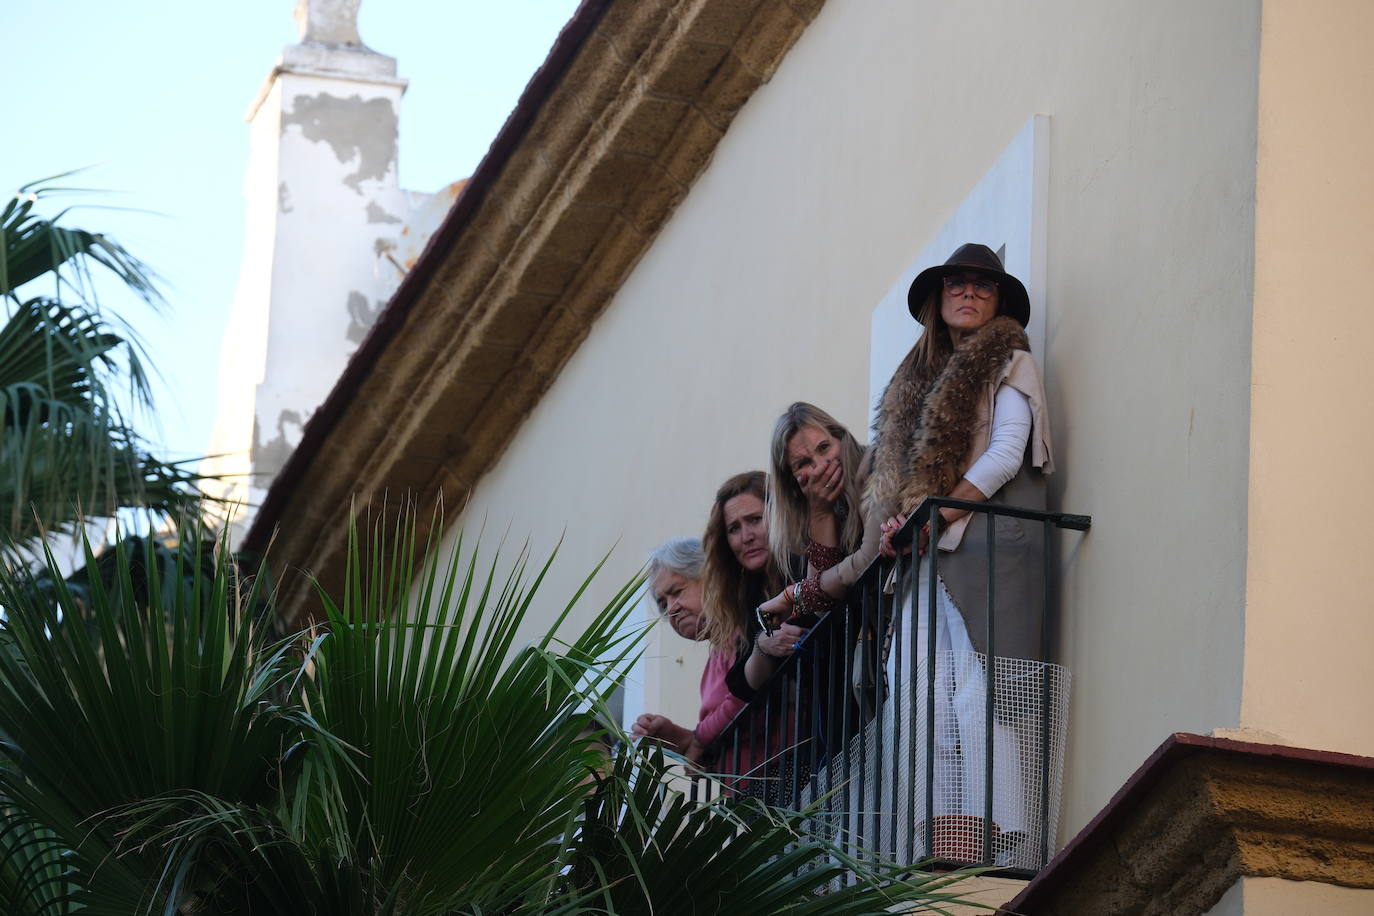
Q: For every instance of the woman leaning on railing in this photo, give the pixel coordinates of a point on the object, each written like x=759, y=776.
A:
x=963, y=416
x=675, y=588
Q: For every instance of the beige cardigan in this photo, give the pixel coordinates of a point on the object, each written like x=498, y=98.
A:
x=1020, y=373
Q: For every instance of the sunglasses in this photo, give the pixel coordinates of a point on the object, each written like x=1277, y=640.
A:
x=983, y=287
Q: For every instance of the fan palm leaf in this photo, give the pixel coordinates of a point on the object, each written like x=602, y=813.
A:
x=34, y=247
x=404, y=757
x=96, y=725
x=66, y=451
x=33, y=874
x=637, y=838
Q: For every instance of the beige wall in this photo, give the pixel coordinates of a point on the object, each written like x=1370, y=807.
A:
x=1309, y=625
x=1277, y=897
x=833, y=177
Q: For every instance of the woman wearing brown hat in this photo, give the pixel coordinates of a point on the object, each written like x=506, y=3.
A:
x=964, y=416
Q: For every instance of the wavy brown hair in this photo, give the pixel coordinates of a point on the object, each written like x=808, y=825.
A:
x=788, y=518
x=729, y=593
x=934, y=346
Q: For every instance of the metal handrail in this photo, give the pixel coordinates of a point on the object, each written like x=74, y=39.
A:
x=810, y=715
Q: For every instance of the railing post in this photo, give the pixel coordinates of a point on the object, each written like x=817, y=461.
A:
x=848, y=681
x=835, y=689
x=913, y=623
x=734, y=755
x=817, y=719
x=932, y=549
x=795, y=750
x=1046, y=649
x=870, y=598
x=989, y=697
x=754, y=749
x=895, y=690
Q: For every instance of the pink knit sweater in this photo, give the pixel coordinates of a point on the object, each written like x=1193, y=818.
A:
x=718, y=704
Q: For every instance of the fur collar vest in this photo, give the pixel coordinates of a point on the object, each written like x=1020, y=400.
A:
x=925, y=426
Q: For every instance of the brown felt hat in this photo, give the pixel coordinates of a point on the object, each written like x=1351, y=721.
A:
x=972, y=256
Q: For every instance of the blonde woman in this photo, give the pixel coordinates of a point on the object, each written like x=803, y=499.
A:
x=816, y=498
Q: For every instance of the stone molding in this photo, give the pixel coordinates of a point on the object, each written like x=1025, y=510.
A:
x=536, y=246
x=1202, y=813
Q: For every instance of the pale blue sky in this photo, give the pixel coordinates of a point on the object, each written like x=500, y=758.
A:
x=153, y=94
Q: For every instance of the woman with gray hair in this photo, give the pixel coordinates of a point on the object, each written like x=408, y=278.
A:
x=675, y=587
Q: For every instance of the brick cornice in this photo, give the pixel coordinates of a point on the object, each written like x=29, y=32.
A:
x=1202, y=813
x=594, y=161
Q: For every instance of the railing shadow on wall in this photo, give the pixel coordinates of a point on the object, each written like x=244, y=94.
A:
x=884, y=731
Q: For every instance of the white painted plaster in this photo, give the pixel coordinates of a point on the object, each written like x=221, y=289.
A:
x=329, y=233
x=1007, y=211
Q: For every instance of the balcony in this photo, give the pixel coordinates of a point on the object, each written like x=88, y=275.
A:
x=845, y=724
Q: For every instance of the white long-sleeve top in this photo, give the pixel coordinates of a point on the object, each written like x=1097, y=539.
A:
x=1011, y=429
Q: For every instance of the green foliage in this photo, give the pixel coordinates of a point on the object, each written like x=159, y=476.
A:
x=403, y=756
x=66, y=450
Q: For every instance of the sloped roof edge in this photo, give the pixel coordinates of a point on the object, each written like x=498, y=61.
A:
x=605, y=143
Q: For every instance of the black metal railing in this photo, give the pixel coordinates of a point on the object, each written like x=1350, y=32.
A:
x=848, y=726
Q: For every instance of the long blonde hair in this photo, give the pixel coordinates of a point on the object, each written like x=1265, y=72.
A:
x=728, y=591
x=788, y=519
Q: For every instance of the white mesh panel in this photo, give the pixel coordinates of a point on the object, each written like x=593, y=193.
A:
x=882, y=803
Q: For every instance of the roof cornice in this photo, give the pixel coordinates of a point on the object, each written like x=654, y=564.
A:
x=606, y=141
x=1200, y=814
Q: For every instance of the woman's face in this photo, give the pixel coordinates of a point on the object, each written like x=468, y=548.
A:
x=746, y=530
x=679, y=599
x=809, y=452
x=968, y=301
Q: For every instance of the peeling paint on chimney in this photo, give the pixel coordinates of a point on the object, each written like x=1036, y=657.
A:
x=375, y=214
x=360, y=316
x=268, y=457
x=322, y=223
x=358, y=131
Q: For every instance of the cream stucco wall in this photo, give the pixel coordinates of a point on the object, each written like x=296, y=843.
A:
x=1309, y=626
x=1277, y=897
x=759, y=290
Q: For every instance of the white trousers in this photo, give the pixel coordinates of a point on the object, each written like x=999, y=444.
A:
x=900, y=742
x=874, y=795
x=961, y=733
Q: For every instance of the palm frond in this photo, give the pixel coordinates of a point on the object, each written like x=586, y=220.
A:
x=33, y=246
x=138, y=710
x=66, y=449
x=34, y=879
x=638, y=837
x=459, y=727
x=65, y=452
x=403, y=756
